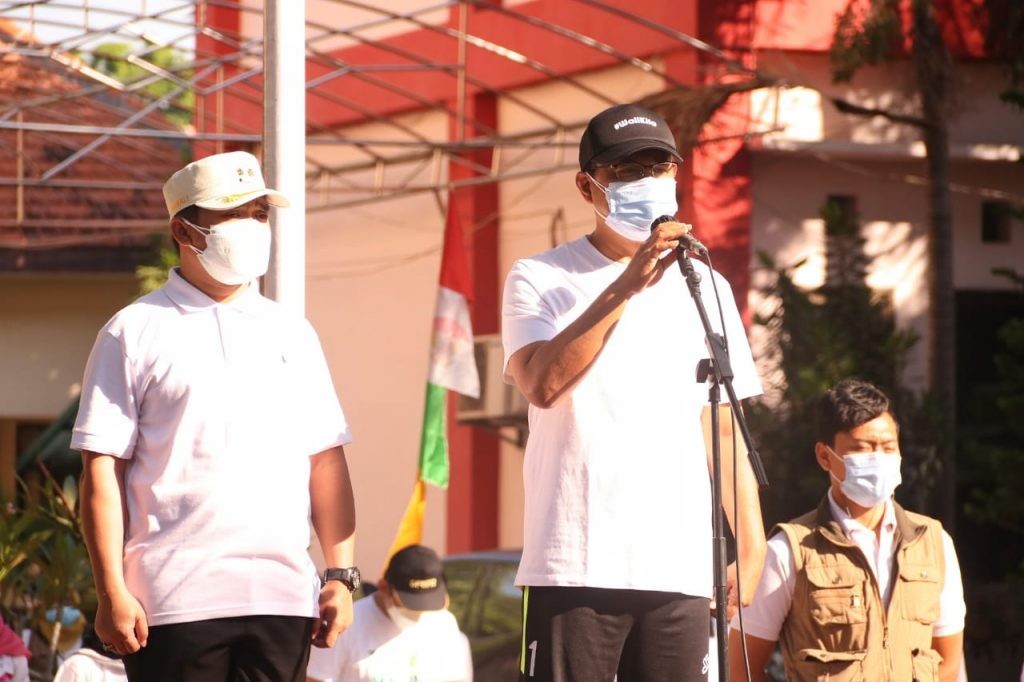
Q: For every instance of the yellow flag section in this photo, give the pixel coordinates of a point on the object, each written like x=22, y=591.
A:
x=452, y=367
x=410, y=530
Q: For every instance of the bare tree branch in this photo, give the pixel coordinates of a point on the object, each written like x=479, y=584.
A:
x=847, y=107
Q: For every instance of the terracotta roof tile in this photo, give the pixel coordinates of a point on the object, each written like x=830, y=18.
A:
x=123, y=216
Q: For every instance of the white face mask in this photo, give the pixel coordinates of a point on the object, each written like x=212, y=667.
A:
x=398, y=616
x=633, y=206
x=237, y=251
x=871, y=477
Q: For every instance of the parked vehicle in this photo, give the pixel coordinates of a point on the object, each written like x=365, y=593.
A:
x=488, y=607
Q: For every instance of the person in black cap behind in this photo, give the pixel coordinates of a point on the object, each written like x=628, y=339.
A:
x=602, y=338
x=402, y=632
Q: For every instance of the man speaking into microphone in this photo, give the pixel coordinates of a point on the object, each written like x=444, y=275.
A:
x=602, y=337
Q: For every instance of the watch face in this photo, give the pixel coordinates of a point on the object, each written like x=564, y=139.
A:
x=355, y=579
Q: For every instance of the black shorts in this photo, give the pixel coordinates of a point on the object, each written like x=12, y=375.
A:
x=250, y=648
x=587, y=634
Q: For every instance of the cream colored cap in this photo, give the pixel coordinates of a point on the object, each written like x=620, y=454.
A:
x=219, y=182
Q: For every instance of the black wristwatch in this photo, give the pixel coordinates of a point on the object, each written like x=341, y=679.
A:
x=349, y=577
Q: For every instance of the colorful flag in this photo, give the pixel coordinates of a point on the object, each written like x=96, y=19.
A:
x=452, y=367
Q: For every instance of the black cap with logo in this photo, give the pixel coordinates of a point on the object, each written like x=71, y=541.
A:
x=622, y=130
x=417, y=574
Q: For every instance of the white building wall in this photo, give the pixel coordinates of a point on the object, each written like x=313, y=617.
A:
x=819, y=152
x=372, y=274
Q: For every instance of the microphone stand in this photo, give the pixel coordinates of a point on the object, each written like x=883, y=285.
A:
x=719, y=372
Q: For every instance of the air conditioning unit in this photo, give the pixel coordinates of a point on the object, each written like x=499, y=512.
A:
x=499, y=404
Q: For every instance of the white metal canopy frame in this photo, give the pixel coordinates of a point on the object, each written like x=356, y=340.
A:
x=74, y=38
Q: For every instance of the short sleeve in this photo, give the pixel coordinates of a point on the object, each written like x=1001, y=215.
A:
x=525, y=318
x=325, y=424
x=107, y=421
x=774, y=596
x=746, y=382
x=952, y=609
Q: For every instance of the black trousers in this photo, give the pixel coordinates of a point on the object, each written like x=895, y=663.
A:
x=244, y=649
x=586, y=634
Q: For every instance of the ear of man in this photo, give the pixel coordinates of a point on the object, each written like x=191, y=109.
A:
x=822, y=454
x=583, y=184
x=183, y=233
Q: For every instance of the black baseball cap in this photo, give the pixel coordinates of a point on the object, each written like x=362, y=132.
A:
x=417, y=574
x=621, y=130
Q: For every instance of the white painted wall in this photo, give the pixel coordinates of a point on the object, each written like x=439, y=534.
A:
x=789, y=190
x=48, y=324
x=372, y=274
x=804, y=110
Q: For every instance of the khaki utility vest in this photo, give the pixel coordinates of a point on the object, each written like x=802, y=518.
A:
x=838, y=628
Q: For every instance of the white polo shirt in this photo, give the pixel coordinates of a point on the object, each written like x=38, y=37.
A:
x=218, y=407
x=768, y=610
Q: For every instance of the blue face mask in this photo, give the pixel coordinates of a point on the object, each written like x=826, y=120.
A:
x=871, y=477
x=633, y=206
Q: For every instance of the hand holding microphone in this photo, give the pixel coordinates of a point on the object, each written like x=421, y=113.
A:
x=687, y=241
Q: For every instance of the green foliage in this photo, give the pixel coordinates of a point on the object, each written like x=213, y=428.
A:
x=995, y=447
x=153, y=275
x=819, y=337
x=118, y=60
x=44, y=563
x=866, y=33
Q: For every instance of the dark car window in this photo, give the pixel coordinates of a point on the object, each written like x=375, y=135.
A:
x=503, y=606
x=463, y=579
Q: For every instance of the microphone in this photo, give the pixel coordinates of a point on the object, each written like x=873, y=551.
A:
x=686, y=241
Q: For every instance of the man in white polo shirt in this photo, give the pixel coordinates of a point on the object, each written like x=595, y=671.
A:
x=211, y=433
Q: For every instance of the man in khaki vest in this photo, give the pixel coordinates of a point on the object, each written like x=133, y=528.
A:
x=858, y=589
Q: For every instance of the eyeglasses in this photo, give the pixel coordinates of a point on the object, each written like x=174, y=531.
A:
x=630, y=171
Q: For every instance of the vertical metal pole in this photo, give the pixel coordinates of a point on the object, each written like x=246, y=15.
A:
x=20, y=165
x=460, y=84
x=218, y=110
x=284, y=146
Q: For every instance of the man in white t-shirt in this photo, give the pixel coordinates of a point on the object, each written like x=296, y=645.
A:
x=602, y=337
x=91, y=663
x=403, y=632
x=858, y=589
x=210, y=434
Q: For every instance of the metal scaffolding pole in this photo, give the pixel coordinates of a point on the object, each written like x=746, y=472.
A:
x=284, y=147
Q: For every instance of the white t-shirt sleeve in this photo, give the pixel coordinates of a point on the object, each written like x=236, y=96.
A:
x=524, y=316
x=952, y=609
x=774, y=595
x=108, y=412
x=746, y=382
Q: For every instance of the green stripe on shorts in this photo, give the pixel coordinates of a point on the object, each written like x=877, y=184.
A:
x=522, y=649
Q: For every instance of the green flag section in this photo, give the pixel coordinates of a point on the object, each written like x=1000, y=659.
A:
x=434, y=438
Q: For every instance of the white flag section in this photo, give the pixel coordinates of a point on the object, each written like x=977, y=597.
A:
x=452, y=362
